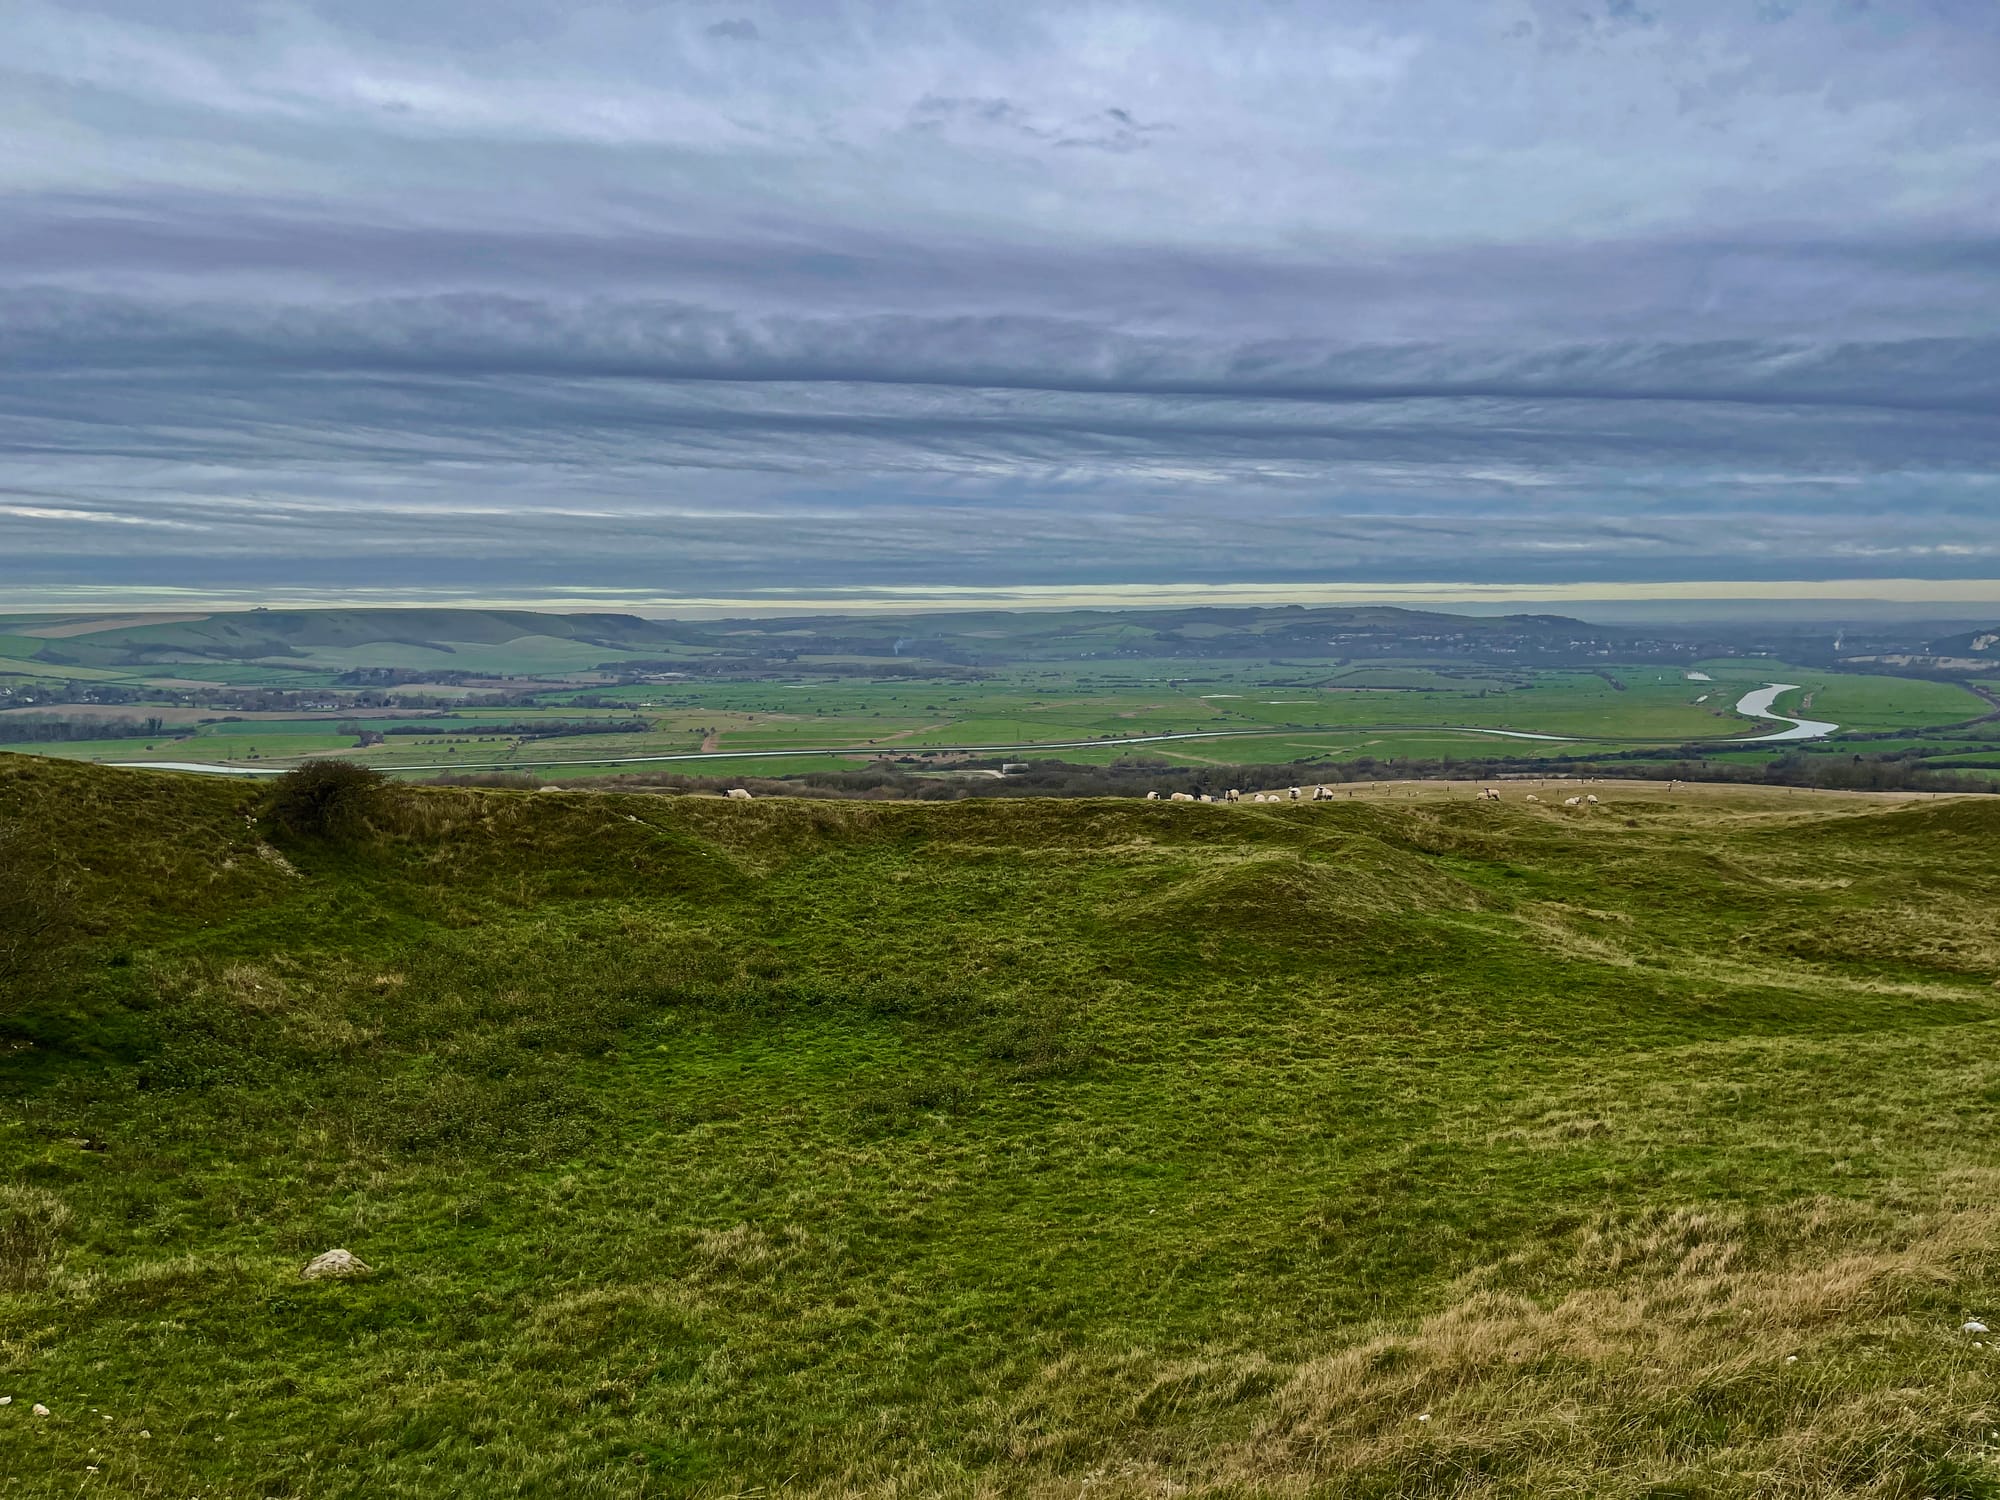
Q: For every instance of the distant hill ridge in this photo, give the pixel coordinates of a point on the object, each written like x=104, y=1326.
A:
x=286, y=634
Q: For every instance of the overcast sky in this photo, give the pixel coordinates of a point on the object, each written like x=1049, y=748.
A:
x=706, y=297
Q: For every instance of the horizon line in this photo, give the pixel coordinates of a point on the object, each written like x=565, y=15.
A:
x=909, y=598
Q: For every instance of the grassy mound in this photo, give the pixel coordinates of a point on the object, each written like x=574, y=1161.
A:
x=998, y=1147
x=1328, y=889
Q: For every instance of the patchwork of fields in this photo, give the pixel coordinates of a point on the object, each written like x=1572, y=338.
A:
x=509, y=700
x=1243, y=717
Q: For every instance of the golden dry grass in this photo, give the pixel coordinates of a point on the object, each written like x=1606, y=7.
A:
x=1694, y=1361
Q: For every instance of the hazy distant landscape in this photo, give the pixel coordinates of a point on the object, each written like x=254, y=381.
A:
x=568, y=696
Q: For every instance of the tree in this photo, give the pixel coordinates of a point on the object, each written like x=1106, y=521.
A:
x=326, y=799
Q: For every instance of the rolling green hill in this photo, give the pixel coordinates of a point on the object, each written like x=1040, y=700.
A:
x=1110, y=1147
x=341, y=638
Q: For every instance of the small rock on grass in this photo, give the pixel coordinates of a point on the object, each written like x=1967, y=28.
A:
x=335, y=1263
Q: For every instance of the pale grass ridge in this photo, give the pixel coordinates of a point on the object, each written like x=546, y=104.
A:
x=1700, y=1325
x=1611, y=1389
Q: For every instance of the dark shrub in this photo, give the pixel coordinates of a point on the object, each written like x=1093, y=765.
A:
x=326, y=799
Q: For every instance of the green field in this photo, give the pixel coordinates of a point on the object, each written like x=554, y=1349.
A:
x=1242, y=719
x=703, y=1148
x=780, y=697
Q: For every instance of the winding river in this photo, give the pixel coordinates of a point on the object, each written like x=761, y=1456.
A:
x=1757, y=705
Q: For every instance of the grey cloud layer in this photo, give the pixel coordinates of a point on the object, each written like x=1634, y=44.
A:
x=766, y=294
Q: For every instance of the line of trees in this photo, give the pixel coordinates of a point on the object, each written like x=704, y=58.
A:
x=40, y=729
x=528, y=729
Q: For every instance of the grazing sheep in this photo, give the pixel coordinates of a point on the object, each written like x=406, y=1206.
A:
x=1233, y=795
x=737, y=794
x=1152, y=796
x=1572, y=802
x=1533, y=798
x=1181, y=797
x=1591, y=800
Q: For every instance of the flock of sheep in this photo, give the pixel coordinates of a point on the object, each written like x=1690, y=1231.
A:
x=1293, y=794
x=1326, y=794
x=1290, y=794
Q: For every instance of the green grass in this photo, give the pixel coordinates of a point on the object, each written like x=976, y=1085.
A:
x=1002, y=1147
x=527, y=654
x=166, y=747
x=1853, y=700
x=1271, y=712
x=11, y=666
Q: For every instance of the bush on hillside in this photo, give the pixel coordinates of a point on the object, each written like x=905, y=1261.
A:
x=327, y=799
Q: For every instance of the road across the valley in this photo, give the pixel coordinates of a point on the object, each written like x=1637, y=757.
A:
x=1756, y=705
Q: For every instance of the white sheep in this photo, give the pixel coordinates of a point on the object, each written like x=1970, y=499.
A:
x=1592, y=800
x=1181, y=797
x=1572, y=802
x=1152, y=796
x=737, y=794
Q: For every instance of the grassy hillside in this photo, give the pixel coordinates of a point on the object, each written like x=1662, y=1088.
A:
x=1003, y=1147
